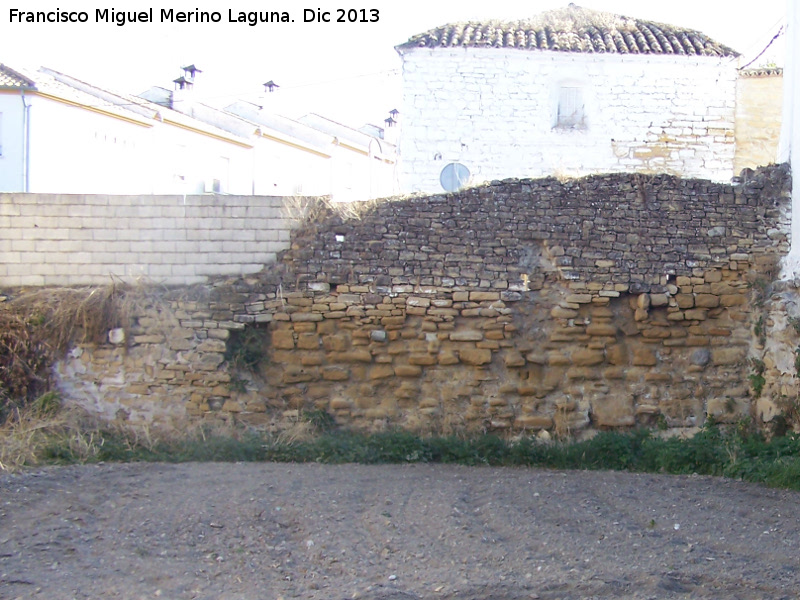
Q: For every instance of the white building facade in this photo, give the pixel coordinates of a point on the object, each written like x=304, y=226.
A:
x=570, y=92
x=64, y=136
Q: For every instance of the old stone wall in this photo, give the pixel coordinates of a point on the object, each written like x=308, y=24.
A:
x=66, y=239
x=533, y=305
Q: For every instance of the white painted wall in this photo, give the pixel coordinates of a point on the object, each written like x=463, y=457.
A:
x=11, y=141
x=789, y=148
x=494, y=110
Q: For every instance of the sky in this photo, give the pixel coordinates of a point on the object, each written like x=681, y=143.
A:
x=346, y=71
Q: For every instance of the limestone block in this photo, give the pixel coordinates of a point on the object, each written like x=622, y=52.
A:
x=333, y=343
x=232, y=406
x=514, y=358
x=353, y=356
x=644, y=357
x=407, y=391
x=483, y=296
x=729, y=300
x=340, y=404
x=586, y=357
x=614, y=410
x=568, y=422
x=469, y=335
x=685, y=300
x=601, y=329
x=706, y=301
x=448, y=358
x=335, y=374
x=643, y=302
x=558, y=359
x=308, y=341
x=209, y=362
x=533, y=422
x=381, y=372
x=617, y=354
x=728, y=356
x=283, y=340
x=314, y=359
x=299, y=374
x=422, y=359
x=582, y=374
x=579, y=298
x=657, y=300
x=306, y=317
x=475, y=356
x=641, y=314
x=696, y=314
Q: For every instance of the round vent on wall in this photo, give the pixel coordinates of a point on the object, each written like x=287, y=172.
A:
x=454, y=177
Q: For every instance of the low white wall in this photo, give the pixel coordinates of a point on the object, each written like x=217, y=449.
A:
x=51, y=239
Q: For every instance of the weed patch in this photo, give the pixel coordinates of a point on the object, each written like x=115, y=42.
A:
x=738, y=451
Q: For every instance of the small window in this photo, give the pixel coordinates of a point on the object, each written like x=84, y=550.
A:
x=571, y=113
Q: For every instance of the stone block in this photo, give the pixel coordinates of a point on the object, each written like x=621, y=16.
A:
x=657, y=300
x=299, y=374
x=475, y=356
x=308, y=341
x=407, y=370
x=483, y=296
x=696, y=314
x=614, y=410
x=644, y=357
x=586, y=357
x=563, y=313
x=601, y=329
x=579, y=298
x=727, y=356
x=533, y=422
x=558, y=359
x=684, y=300
x=617, y=354
x=728, y=300
x=335, y=374
x=706, y=301
x=469, y=335
x=355, y=355
x=448, y=358
x=514, y=358
x=422, y=359
x=381, y=372
x=340, y=404
x=306, y=317
x=333, y=343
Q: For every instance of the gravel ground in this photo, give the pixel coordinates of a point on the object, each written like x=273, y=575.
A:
x=279, y=531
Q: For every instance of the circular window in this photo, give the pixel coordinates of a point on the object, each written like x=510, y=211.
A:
x=454, y=177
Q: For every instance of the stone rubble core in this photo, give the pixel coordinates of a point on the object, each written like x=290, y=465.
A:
x=519, y=306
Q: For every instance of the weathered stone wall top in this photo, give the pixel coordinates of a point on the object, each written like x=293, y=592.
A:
x=610, y=233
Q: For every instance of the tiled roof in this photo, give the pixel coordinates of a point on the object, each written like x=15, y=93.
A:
x=9, y=78
x=573, y=29
x=761, y=72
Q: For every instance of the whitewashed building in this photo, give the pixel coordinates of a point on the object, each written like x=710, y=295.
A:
x=62, y=135
x=568, y=92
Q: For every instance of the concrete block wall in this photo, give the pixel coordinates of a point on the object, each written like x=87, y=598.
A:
x=494, y=110
x=53, y=240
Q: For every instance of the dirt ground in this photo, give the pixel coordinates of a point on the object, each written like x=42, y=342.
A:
x=272, y=531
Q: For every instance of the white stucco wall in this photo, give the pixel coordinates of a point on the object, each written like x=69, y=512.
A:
x=789, y=147
x=11, y=141
x=494, y=111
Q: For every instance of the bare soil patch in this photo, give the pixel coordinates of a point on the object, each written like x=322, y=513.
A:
x=242, y=531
